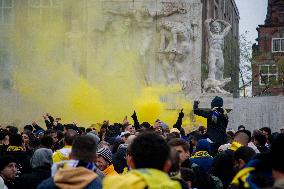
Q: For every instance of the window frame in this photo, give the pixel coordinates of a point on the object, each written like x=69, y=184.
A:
x=268, y=74
x=280, y=45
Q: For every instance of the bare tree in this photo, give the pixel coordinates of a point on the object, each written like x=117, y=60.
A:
x=245, y=67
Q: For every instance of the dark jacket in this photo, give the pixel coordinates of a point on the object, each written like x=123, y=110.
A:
x=119, y=160
x=3, y=149
x=217, y=122
x=33, y=179
x=202, y=180
x=223, y=167
x=263, y=149
x=178, y=124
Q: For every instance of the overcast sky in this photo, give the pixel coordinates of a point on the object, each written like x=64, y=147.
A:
x=252, y=14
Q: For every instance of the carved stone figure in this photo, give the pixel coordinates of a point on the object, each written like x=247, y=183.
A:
x=215, y=59
x=176, y=29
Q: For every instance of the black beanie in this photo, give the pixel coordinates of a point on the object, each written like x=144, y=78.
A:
x=217, y=102
x=5, y=160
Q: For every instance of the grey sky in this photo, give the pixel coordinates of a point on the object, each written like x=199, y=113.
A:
x=252, y=14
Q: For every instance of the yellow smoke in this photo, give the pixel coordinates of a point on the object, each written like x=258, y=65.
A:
x=112, y=88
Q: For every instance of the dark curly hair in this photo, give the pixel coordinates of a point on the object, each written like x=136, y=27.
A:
x=149, y=150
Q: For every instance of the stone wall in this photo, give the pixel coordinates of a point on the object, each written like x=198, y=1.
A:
x=258, y=112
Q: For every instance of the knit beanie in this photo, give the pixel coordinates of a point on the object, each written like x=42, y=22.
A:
x=106, y=154
x=203, y=145
x=5, y=160
x=217, y=102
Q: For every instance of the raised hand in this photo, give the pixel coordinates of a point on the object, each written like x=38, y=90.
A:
x=181, y=114
x=134, y=116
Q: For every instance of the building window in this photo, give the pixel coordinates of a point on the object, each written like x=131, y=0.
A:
x=281, y=18
x=6, y=11
x=268, y=74
x=44, y=10
x=278, y=45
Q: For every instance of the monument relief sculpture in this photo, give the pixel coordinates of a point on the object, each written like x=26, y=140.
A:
x=176, y=29
x=176, y=35
x=215, y=81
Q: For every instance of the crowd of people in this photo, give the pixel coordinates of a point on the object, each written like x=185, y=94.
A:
x=141, y=155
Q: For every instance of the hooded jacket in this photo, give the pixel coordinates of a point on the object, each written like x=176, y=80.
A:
x=73, y=174
x=140, y=179
x=72, y=178
x=41, y=163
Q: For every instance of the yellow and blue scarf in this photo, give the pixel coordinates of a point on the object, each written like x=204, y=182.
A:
x=14, y=148
x=201, y=154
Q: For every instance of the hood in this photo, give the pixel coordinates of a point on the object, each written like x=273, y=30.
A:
x=140, y=179
x=42, y=157
x=74, y=178
x=217, y=102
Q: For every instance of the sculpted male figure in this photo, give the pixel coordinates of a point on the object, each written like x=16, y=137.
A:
x=216, y=41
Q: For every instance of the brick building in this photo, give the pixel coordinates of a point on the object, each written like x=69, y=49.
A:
x=268, y=53
x=225, y=10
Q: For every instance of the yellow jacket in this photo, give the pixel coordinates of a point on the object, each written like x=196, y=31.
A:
x=109, y=171
x=62, y=154
x=139, y=179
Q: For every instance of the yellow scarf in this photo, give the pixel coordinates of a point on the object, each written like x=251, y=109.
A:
x=14, y=148
x=110, y=171
x=235, y=146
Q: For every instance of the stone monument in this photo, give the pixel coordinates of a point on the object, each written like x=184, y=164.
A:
x=214, y=84
x=165, y=33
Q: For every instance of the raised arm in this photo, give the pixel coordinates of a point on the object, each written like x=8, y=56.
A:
x=179, y=120
x=200, y=112
x=207, y=24
x=48, y=124
x=136, y=122
x=227, y=27
x=36, y=126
